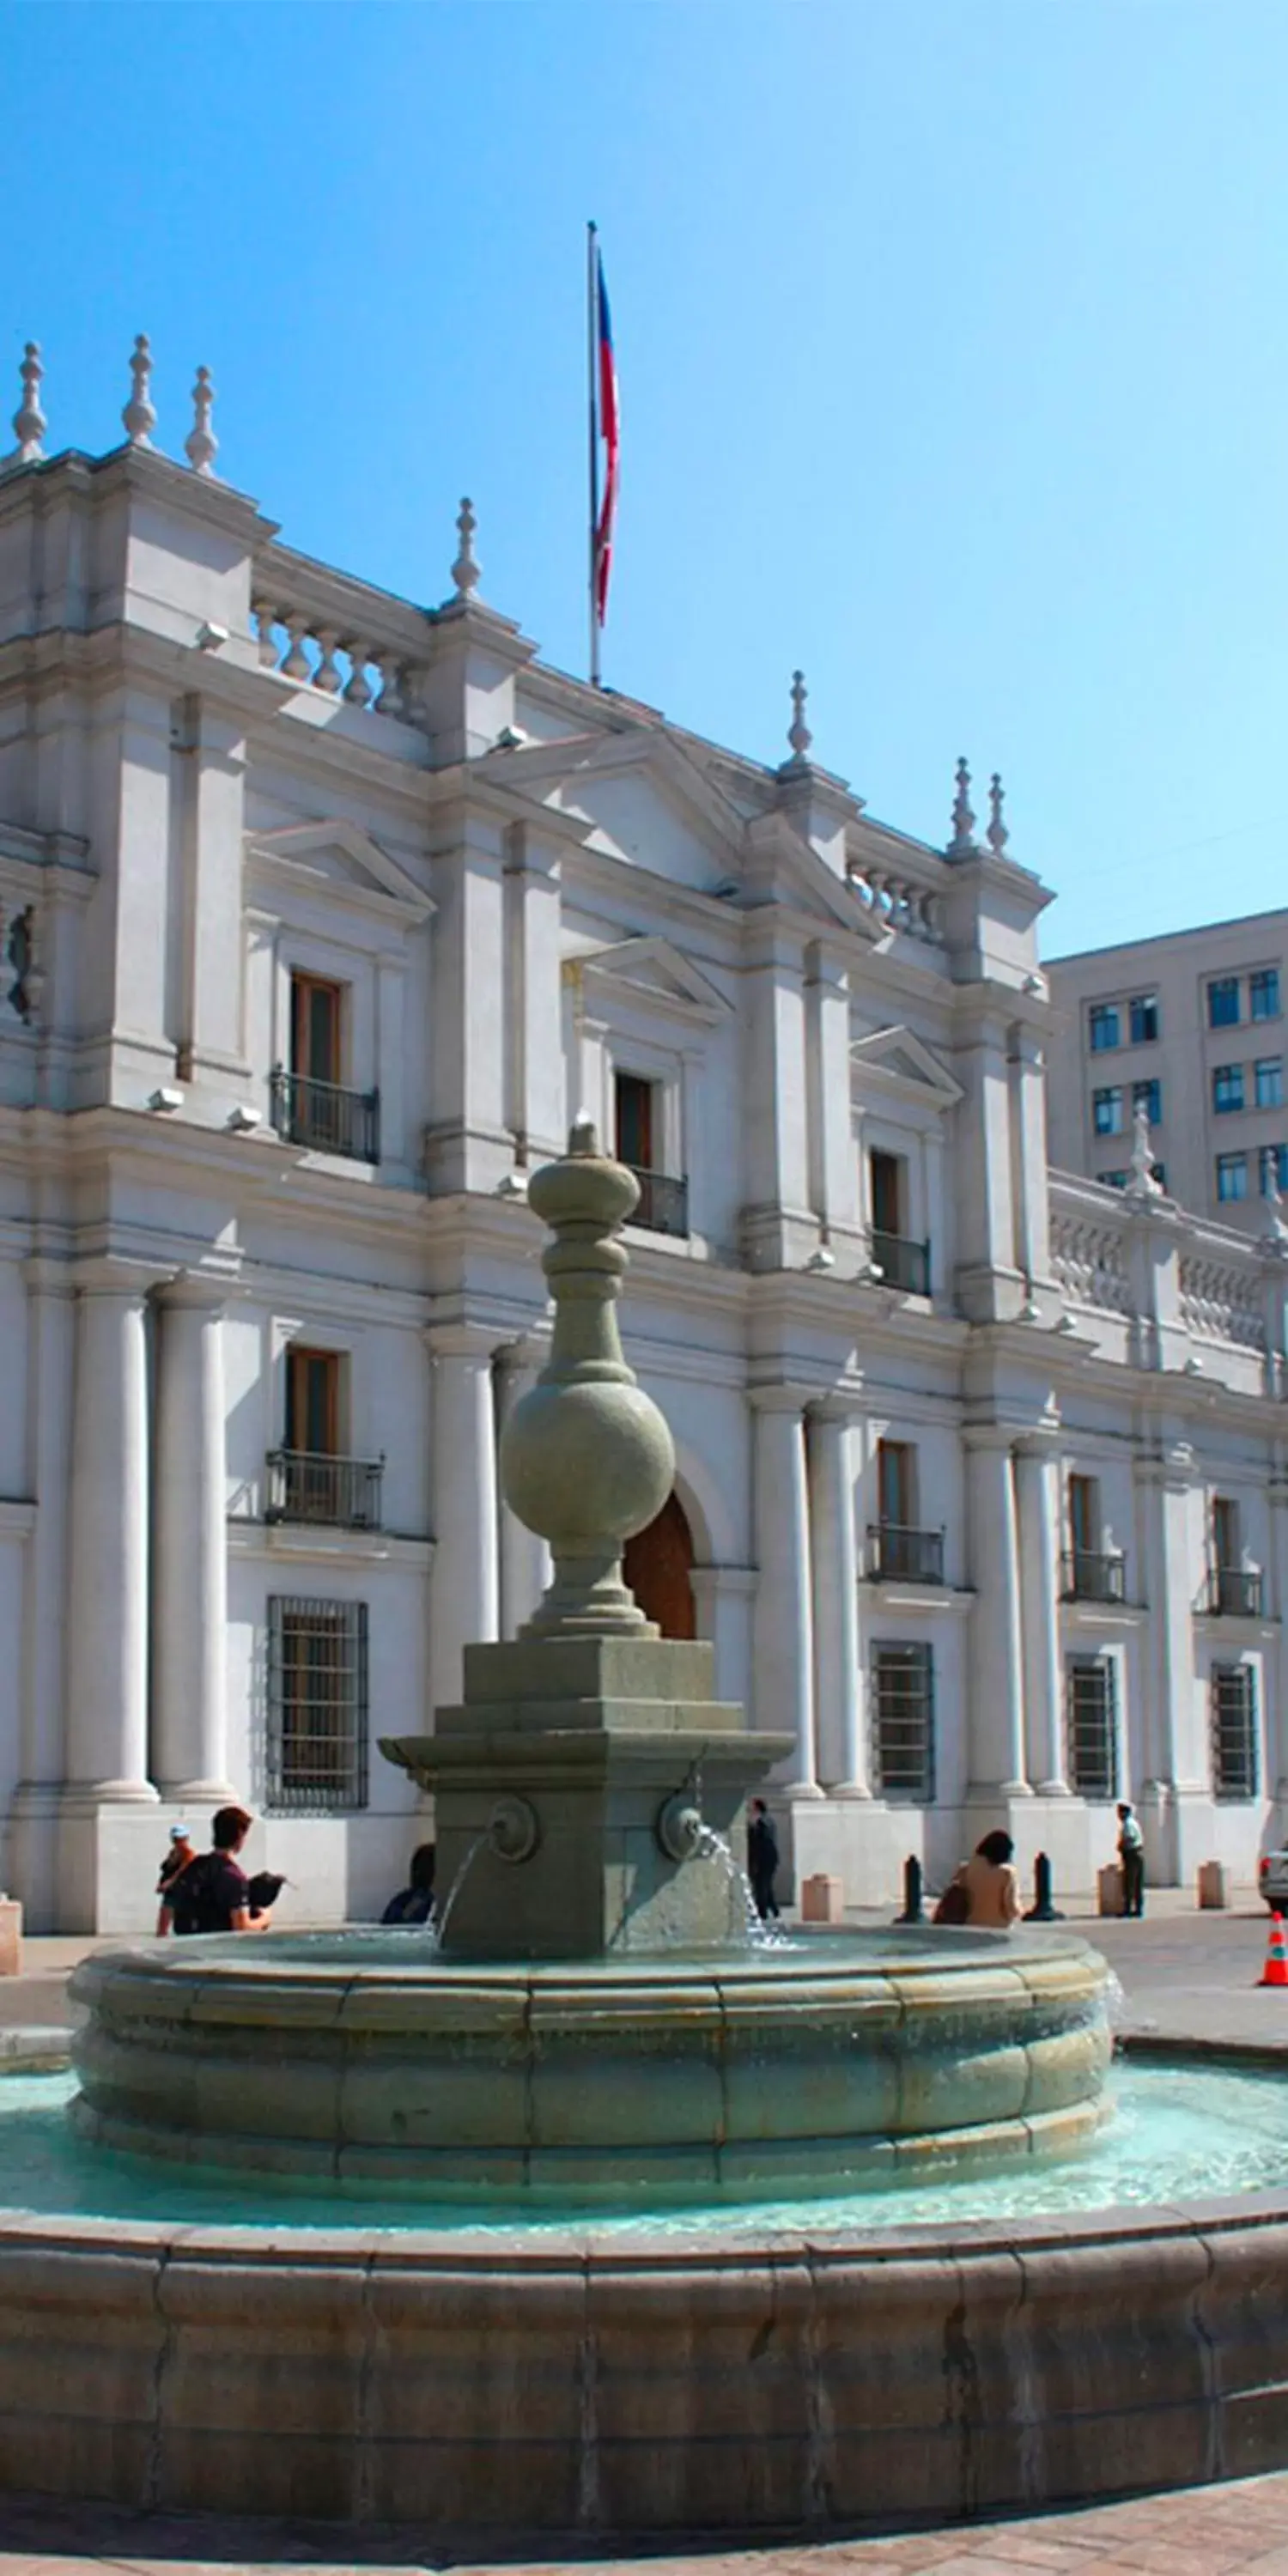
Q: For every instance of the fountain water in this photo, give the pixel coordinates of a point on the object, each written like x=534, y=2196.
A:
x=584, y=2037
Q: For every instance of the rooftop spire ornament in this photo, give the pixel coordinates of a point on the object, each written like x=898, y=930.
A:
x=29, y=420
x=798, y=732
x=1143, y=1184
x=465, y=571
x=139, y=415
x=201, y=445
x=962, y=844
x=997, y=835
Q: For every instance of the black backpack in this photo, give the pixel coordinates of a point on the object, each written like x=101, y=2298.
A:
x=192, y=1898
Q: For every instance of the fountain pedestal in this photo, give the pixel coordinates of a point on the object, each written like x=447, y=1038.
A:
x=569, y=1792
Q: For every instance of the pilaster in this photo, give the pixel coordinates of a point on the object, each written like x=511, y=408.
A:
x=842, y=1748
x=464, y=1586
x=782, y=1643
x=1037, y=1482
x=190, y=1552
x=107, y=1713
x=996, y=1714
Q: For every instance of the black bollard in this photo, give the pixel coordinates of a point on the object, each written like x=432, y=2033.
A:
x=1042, y=1910
x=912, y=1886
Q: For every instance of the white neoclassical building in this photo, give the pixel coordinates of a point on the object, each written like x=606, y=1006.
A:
x=319, y=913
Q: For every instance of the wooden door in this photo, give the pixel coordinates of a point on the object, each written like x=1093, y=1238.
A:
x=657, y=1564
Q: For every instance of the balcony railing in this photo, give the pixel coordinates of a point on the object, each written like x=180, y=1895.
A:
x=1091, y=1577
x=332, y=1493
x=664, y=1201
x=1234, y=1593
x=898, y=1555
x=902, y=1264
x=325, y=1116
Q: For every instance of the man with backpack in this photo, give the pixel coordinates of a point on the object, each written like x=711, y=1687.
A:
x=213, y=1894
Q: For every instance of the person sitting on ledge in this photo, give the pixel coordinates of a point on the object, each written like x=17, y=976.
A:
x=213, y=1893
x=415, y=1903
x=992, y=1885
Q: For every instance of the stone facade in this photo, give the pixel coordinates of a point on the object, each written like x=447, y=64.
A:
x=322, y=914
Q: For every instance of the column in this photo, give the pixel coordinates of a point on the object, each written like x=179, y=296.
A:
x=782, y=1639
x=1037, y=1485
x=1173, y=1573
x=464, y=1584
x=842, y=1749
x=525, y=1568
x=190, y=1554
x=1276, y=1720
x=51, y=1316
x=996, y=1768
x=107, y=1712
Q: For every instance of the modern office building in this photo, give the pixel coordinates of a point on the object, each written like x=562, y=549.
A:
x=321, y=912
x=1190, y=1027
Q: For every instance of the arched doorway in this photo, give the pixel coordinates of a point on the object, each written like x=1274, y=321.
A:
x=657, y=1564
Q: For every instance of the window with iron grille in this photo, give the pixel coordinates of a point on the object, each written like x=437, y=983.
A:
x=1234, y=1730
x=903, y=1722
x=317, y=1706
x=1093, y=1726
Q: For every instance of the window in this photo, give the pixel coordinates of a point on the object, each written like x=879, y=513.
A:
x=888, y=1174
x=316, y=1009
x=1268, y=1075
x=1103, y=1023
x=896, y=1484
x=1227, y=1536
x=1113, y=1180
x=313, y=1402
x=903, y=1679
x=1093, y=1726
x=1263, y=994
x=1227, y=1088
x=1149, y=1097
x=1107, y=1112
x=317, y=1706
x=635, y=1108
x=1273, y=1162
x=1084, y=1514
x=1142, y=1018
x=1223, y=1003
x=1232, y=1176
x=1234, y=1730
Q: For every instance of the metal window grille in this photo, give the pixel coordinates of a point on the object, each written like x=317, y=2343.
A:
x=317, y=1706
x=1234, y=1731
x=903, y=1722
x=1093, y=1726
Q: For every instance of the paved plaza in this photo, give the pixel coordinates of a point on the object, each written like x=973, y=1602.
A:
x=1185, y=1976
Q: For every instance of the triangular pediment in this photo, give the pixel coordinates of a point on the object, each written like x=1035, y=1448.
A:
x=903, y=1062
x=637, y=793
x=339, y=856
x=653, y=971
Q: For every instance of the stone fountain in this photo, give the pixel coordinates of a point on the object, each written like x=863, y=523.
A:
x=593, y=2020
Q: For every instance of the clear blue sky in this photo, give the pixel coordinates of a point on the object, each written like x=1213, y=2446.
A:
x=953, y=342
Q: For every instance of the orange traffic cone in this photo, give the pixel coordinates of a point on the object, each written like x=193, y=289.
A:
x=1275, y=1971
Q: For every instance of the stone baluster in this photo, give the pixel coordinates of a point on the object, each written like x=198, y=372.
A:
x=390, y=700
x=266, y=622
x=326, y=677
x=295, y=664
x=358, y=687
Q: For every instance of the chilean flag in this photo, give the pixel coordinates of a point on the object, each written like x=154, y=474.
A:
x=610, y=432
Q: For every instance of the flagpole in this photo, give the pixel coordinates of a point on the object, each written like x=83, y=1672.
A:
x=592, y=356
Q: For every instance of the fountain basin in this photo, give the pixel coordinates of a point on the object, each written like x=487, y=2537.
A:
x=363, y=2059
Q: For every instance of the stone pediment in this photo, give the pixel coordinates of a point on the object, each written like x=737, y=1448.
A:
x=651, y=971
x=638, y=793
x=339, y=857
x=904, y=1063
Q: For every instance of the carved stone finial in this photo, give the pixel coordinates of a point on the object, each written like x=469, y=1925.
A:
x=139, y=414
x=201, y=445
x=586, y=1457
x=962, y=844
x=798, y=732
x=1143, y=1184
x=29, y=420
x=465, y=571
x=997, y=835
